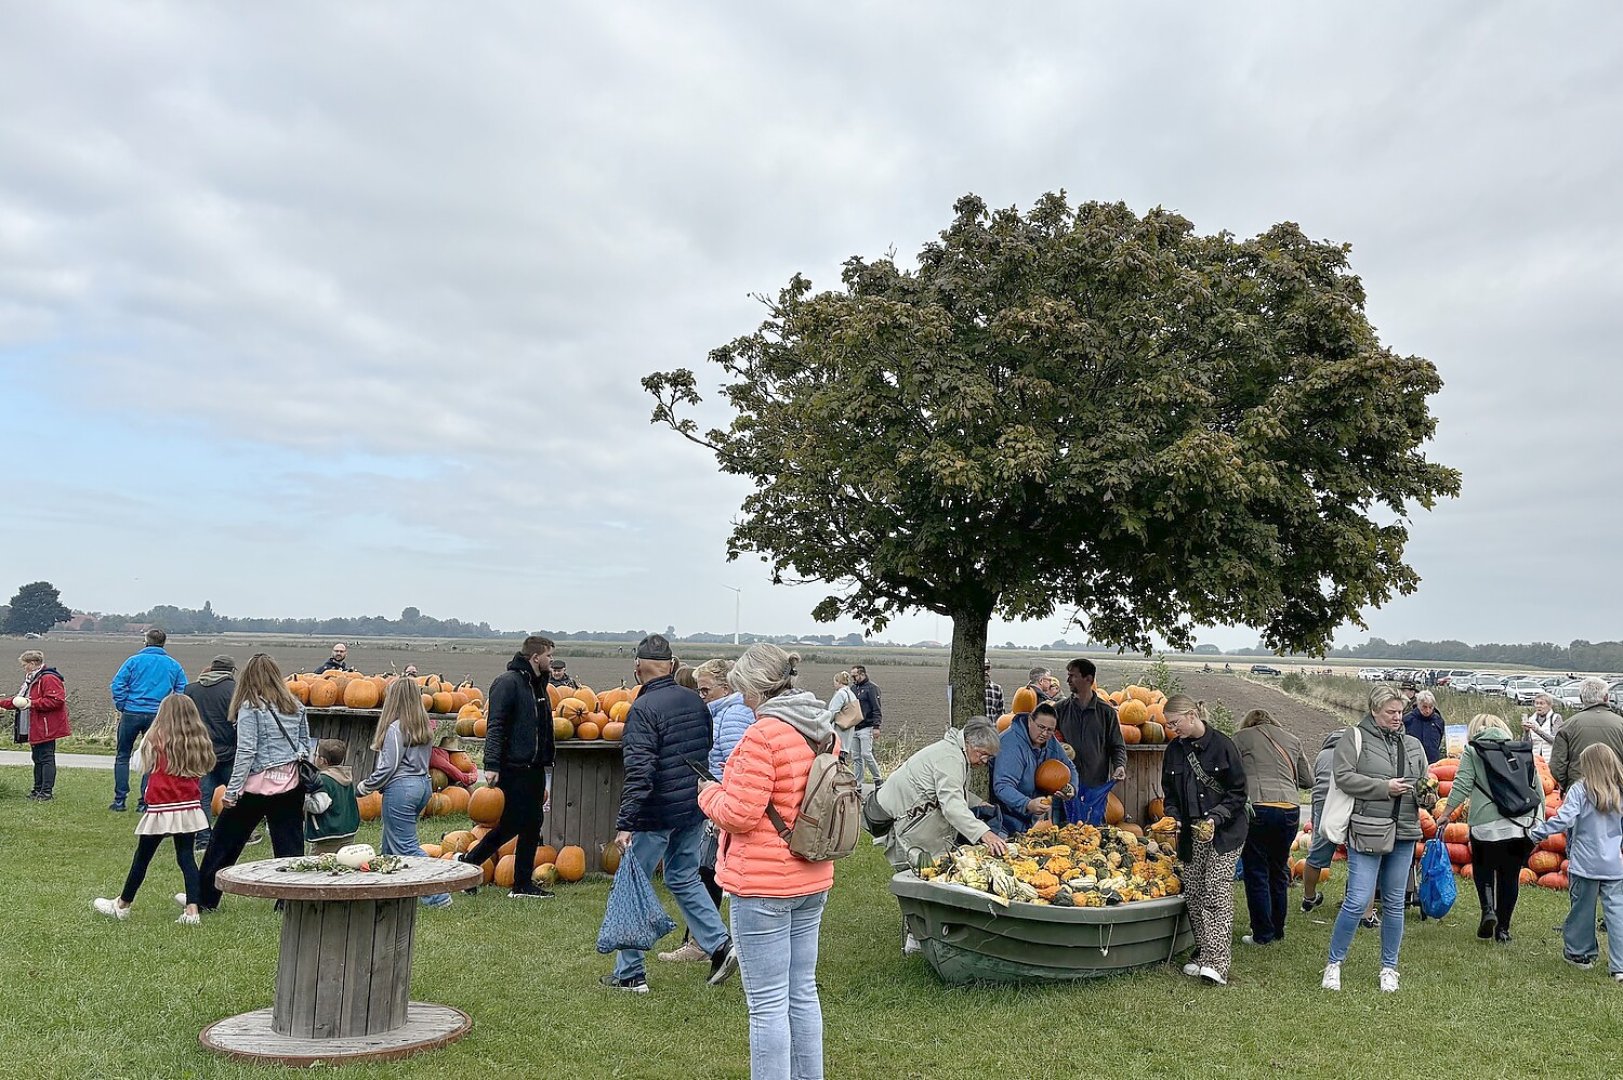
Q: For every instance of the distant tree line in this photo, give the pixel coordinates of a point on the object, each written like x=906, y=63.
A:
x=1580, y=655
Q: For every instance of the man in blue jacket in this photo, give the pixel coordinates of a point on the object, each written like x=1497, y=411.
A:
x=660, y=819
x=1425, y=722
x=140, y=686
x=1028, y=743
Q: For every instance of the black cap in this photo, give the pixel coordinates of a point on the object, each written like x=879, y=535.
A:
x=1409, y=684
x=223, y=662
x=557, y=665
x=654, y=647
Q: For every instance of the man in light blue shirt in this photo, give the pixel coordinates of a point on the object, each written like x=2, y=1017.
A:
x=140, y=686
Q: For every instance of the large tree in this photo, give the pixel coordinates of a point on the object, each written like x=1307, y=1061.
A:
x=35, y=609
x=1079, y=408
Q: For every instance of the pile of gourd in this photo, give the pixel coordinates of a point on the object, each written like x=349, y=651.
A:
x=1073, y=866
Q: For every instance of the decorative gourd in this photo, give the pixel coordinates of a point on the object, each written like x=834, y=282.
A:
x=571, y=863
x=545, y=875
x=323, y=694
x=1052, y=776
x=1129, y=827
x=371, y=806
x=587, y=731
x=609, y=857
x=356, y=856
x=1153, y=733
x=562, y=729
x=1155, y=810
x=1025, y=699
x=1133, y=713
x=485, y=806
x=437, y=780
x=614, y=730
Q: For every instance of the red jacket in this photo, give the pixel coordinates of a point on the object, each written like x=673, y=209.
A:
x=440, y=758
x=772, y=761
x=47, y=708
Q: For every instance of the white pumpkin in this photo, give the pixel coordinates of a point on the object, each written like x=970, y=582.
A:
x=355, y=856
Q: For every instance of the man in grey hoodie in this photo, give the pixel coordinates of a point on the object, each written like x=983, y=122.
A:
x=212, y=693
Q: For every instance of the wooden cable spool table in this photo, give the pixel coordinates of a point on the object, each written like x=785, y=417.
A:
x=343, y=977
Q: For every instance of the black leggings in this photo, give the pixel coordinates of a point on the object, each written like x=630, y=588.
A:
x=145, y=848
x=1496, y=867
x=44, y=755
x=284, y=815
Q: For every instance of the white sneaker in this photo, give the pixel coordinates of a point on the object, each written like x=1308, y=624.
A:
x=1191, y=969
x=110, y=907
x=190, y=918
x=1332, y=977
x=1389, y=980
x=911, y=946
x=1213, y=976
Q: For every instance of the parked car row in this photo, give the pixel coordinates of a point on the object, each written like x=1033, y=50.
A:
x=1520, y=688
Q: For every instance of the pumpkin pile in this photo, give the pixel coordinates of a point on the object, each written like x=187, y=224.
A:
x=1546, y=866
x=1139, y=709
x=581, y=713
x=1073, y=866
x=352, y=690
x=552, y=865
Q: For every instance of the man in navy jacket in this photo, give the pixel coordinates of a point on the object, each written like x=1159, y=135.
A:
x=660, y=819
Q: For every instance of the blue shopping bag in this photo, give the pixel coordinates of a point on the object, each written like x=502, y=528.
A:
x=1437, y=886
x=634, y=918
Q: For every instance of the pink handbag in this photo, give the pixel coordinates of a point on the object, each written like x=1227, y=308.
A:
x=275, y=780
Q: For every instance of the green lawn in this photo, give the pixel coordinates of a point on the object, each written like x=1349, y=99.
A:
x=84, y=996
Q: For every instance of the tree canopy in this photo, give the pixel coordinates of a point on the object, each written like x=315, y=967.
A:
x=1081, y=409
x=35, y=609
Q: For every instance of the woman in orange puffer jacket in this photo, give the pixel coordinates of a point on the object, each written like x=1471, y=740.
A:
x=777, y=897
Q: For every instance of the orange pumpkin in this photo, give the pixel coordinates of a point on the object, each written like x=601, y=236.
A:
x=480, y=726
x=323, y=694
x=1129, y=827
x=1131, y=735
x=456, y=799
x=1446, y=769
x=459, y=701
x=1156, y=810
x=299, y=689
x=437, y=780
x=1142, y=694
x=614, y=731
x=1457, y=832
x=554, y=695
x=608, y=699
x=1544, y=862
x=1025, y=699
x=473, y=692
x=371, y=806
x=461, y=760
x=433, y=851
x=444, y=702
x=571, y=863
x=1554, y=880
x=461, y=840
x=1556, y=842
x=571, y=709
x=1459, y=854
x=218, y=802
x=587, y=731
x=485, y=806
x=1052, y=776
x=618, y=711
x=546, y=853
x=1115, y=812
x=1527, y=877
x=1004, y=721
x=504, y=871
x=428, y=702
x=1133, y=713
x=509, y=848
x=586, y=697
x=1428, y=825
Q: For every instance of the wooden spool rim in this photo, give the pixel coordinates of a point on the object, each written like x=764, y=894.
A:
x=424, y=877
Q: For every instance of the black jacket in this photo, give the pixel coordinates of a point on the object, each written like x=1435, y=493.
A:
x=214, y=703
x=332, y=663
x=1094, y=733
x=1220, y=796
x=667, y=723
x=518, y=731
x=1430, y=730
x=868, y=697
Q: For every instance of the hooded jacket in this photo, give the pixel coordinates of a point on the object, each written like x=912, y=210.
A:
x=729, y=719
x=770, y=765
x=667, y=725
x=930, y=799
x=518, y=731
x=211, y=693
x=1014, y=772
x=47, y=706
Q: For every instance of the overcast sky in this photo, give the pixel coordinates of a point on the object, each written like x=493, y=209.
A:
x=317, y=309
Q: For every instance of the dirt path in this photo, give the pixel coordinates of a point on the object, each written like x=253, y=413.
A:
x=1240, y=694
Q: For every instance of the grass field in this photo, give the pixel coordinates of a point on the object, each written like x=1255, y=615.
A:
x=84, y=996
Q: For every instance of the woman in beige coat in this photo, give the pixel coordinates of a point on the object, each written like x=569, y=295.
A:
x=1276, y=770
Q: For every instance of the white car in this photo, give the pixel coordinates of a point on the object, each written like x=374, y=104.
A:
x=1567, y=693
x=1372, y=674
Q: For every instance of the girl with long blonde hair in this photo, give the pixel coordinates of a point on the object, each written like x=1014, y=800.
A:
x=404, y=740
x=176, y=752
x=1592, y=819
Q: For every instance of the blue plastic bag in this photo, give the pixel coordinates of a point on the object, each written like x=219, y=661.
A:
x=1437, y=887
x=634, y=918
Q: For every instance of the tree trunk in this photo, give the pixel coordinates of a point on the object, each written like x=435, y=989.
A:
x=964, y=675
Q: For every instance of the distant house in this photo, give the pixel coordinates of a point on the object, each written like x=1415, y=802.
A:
x=80, y=621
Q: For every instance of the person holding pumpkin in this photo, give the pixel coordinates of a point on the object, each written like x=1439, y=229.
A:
x=1378, y=773
x=1500, y=843
x=778, y=897
x=1275, y=770
x=1204, y=782
x=42, y=718
x=402, y=740
x=264, y=786
x=175, y=753
x=1591, y=816
x=1022, y=766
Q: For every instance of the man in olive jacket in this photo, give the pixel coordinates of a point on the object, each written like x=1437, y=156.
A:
x=1594, y=723
x=518, y=752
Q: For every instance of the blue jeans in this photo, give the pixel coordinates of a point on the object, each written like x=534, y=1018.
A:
x=1578, y=933
x=1267, y=870
x=859, y=749
x=131, y=726
x=403, y=801
x=776, y=939
x=679, y=848
x=1363, y=872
